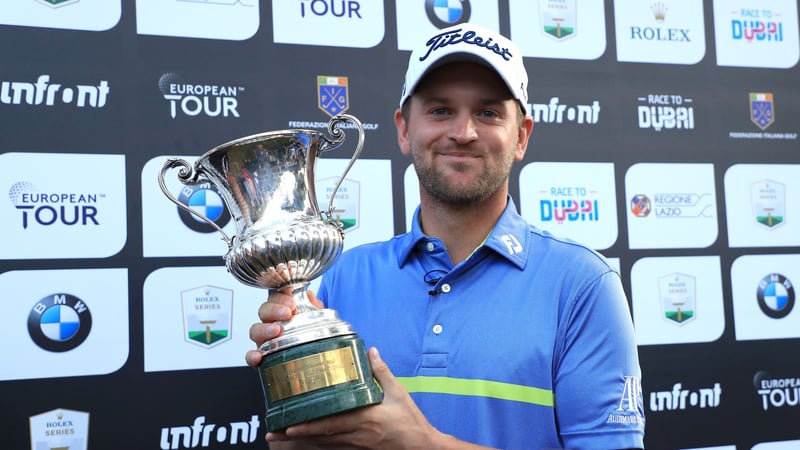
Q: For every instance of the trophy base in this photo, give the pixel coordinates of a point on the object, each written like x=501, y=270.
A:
x=316, y=379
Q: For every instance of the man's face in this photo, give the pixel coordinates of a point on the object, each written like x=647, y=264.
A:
x=463, y=133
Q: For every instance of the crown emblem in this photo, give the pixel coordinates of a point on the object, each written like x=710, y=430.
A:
x=659, y=11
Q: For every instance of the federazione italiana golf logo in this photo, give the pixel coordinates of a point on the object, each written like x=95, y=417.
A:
x=207, y=315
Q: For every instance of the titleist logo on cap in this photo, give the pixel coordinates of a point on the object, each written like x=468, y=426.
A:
x=470, y=38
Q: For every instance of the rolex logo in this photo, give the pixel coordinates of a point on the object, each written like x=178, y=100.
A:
x=659, y=11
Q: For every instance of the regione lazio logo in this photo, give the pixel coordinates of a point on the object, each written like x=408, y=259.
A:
x=775, y=295
x=207, y=315
x=677, y=295
x=346, y=202
x=332, y=94
x=59, y=322
x=640, y=205
x=769, y=203
x=60, y=429
x=559, y=18
x=762, y=109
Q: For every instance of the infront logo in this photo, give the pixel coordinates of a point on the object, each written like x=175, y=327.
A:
x=43, y=92
x=200, y=434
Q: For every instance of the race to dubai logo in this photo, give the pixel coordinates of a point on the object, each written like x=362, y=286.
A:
x=332, y=94
x=569, y=204
x=775, y=296
x=60, y=429
x=346, y=202
x=761, y=25
x=559, y=18
x=445, y=13
x=769, y=203
x=677, y=293
x=762, y=109
x=207, y=315
x=662, y=111
x=59, y=322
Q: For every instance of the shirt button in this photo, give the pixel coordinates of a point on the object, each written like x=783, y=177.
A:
x=437, y=329
x=445, y=288
x=430, y=247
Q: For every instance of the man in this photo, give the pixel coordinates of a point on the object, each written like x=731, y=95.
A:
x=497, y=334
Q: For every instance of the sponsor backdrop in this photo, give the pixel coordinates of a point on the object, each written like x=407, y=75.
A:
x=666, y=138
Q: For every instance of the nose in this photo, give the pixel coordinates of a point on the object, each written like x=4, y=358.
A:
x=464, y=128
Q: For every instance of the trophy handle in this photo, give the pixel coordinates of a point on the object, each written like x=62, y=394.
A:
x=188, y=176
x=338, y=135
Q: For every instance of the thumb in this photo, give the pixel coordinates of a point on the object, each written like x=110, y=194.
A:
x=381, y=372
x=314, y=300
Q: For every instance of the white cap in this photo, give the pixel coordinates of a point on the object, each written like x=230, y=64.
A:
x=469, y=42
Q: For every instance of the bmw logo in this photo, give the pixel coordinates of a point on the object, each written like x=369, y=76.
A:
x=204, y=199
x=59, y=322
x=445, y=13
x=775, y=295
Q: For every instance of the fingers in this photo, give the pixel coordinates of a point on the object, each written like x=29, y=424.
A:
x=279, y=307
x=253, y=358
x=383, y=375
x=262, y=332
x=314, y=300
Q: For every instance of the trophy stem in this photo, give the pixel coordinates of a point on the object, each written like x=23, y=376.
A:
x=300, y=294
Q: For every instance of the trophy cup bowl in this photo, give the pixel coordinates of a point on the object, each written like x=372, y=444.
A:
x=318, y=366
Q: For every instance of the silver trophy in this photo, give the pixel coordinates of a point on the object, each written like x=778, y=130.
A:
x=318, y=366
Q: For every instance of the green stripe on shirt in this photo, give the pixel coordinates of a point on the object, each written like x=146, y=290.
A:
x=478, y=388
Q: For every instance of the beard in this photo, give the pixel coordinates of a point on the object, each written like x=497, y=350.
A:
x=489, y=178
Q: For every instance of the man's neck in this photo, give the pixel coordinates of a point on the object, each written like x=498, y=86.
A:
x=461, y=228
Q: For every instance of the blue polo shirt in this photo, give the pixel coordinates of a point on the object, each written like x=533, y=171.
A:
x=527, y=344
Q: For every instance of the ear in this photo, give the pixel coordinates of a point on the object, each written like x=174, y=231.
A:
x=525, y=130
x=402, y=132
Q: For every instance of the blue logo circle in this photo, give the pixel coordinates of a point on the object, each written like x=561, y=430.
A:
x=775, y=296
x=205, y=200
x=59, y=322
x=445, y=13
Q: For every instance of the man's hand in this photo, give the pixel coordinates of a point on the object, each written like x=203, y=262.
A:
x=279, y=307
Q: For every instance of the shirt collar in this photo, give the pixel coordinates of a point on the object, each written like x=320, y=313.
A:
x=509, y=237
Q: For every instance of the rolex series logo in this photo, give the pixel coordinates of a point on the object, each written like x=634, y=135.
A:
x=677, y=292
x=768, y=198
x=559, y=18
x=207, y=315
